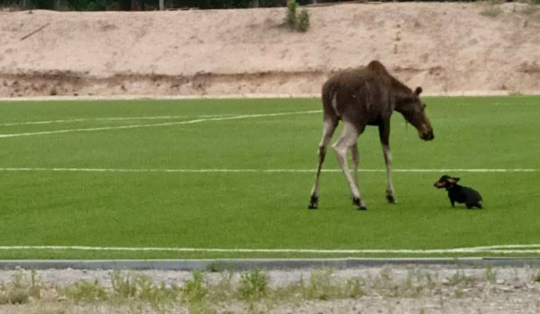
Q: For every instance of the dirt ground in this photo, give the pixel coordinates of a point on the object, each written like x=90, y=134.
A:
x=444, y=47
x=403, y=289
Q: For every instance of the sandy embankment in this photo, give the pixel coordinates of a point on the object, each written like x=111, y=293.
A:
x=445, y=47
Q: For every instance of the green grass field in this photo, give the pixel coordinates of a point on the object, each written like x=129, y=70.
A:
x=257, y=210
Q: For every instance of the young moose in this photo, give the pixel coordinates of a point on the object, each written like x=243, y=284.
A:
x=361, y=97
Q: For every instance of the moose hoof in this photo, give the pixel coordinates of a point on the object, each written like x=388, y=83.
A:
x=313, y=202
x=360, y=205
x=391, y=198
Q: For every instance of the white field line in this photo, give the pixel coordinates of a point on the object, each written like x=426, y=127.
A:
x=153, y=125
x=107, y=119
x=29, y=169
x=244, y=96
x=510, y=249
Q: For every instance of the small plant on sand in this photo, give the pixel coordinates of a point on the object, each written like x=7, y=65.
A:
x=291, y=18
x=491, y=275
x=303, y=21
x=295, y=21
x=537, y=278
x=194, y=289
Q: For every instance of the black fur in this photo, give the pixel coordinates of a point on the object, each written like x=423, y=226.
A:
x=459, y=194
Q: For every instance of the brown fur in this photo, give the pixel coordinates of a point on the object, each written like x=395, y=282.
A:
x=366, y=96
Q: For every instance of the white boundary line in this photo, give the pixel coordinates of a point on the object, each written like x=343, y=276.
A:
x=481, y=93
x=153, y=125
x=109, y=119
x=28, y=169
x=500, y=249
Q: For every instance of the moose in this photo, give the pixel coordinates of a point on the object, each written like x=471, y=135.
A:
x=360, y=97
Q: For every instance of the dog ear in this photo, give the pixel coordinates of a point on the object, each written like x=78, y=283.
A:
x=418, y=90
x=454, y=180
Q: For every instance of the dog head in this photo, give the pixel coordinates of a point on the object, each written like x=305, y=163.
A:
x=445, y=182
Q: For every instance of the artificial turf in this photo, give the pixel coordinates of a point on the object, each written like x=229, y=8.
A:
x=258, y=210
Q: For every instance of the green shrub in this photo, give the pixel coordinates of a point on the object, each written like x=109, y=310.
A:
x=295, y=21
x=291, y=18
x=303, y=21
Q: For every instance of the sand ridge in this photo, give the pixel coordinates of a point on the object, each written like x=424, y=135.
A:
x=444, y=47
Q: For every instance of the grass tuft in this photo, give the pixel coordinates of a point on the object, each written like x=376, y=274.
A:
x=195, y=290
x=253, y=285
x=84, y=291
x=537, y=278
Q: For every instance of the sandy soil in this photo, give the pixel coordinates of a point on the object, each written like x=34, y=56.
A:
x=445, y=47
x=494, y=291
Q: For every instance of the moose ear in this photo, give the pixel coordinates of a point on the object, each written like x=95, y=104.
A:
x=418, y=90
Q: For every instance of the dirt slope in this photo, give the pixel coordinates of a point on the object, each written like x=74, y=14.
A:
x=445, y=47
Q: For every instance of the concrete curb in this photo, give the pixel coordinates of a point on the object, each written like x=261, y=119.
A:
x=269, y=264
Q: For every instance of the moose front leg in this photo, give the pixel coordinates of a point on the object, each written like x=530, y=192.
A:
x=384, y=134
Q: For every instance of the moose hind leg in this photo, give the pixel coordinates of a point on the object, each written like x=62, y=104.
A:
x=343, y=144
x=329, y=126
x=355, y=156
x=390, y=194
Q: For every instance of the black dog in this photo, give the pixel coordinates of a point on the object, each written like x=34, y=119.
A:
x=458, y=193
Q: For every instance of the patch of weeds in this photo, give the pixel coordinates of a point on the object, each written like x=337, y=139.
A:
x=20, y=290
x=291, y=293
x=124, y=287
x=223, y=290
x=156, y=294
x=459, y=278
x=384, y=282
x=537, y=277
x=253, y=285
x=194, y=289
x=84, y=291
x=415, y=284
x=491, y=275
x=354, y=288
x=321, y=285
x=492, y=12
